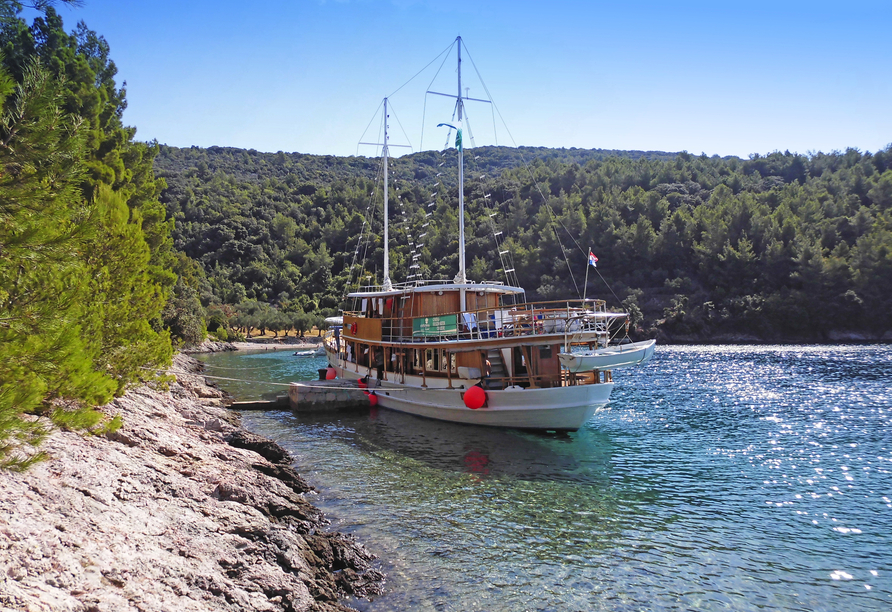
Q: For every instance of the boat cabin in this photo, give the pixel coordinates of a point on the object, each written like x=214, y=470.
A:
x=461, y=334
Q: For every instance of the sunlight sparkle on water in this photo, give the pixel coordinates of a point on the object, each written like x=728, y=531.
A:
x=720, y=477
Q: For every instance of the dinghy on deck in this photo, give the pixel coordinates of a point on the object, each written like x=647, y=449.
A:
x=610, y=357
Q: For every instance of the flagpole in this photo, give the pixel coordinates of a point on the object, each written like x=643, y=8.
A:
x=585, y=286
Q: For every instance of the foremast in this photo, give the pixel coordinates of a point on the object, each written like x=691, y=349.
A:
x=385, y=151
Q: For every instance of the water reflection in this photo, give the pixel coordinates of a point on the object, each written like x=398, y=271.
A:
x=453, y=447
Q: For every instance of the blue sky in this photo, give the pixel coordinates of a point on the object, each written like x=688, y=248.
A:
x=725, y=78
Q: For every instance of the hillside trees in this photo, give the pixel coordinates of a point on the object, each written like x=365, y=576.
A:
x=777, y=246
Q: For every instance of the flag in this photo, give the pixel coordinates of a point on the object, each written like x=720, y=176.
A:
x=592, y=259
x=457, y=133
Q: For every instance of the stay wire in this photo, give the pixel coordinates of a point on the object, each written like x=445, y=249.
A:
x=535, y=182
x=488, y=95
x=399, y=123
x=276, y=384
x=446, y=51
x=424, y=113
x=618, y=301
x=368, y=126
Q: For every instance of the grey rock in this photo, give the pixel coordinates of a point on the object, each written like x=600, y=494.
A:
x=163, y=514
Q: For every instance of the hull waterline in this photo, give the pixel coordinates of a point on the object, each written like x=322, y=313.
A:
x=557, y=408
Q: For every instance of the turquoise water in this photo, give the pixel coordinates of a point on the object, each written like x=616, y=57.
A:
x=720, y=478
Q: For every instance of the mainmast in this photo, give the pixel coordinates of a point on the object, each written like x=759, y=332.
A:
x=461, y=277
x=387, y=284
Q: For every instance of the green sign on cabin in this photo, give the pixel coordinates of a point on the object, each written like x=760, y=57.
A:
x=435, y=326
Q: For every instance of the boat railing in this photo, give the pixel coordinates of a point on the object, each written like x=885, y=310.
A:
x=415, y=284
x=545, y=381
x=569, y=318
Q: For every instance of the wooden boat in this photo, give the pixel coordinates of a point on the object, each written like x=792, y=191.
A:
x=466, y=351
x=613, y=357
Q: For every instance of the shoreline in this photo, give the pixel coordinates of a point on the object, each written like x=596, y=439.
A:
x=179, y=509
x=215, y=346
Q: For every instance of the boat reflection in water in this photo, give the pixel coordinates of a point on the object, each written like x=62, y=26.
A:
x=458, y=448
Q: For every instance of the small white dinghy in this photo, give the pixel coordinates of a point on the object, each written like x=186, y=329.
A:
x=610, y=357
x=319, y=352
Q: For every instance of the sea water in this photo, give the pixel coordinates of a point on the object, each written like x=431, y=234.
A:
x=719, y=478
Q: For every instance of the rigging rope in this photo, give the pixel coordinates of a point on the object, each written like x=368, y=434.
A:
x=529, y=171
x=445, y=57
x=267, y=382
x=446, y=51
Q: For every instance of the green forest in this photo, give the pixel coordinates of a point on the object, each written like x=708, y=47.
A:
x=115, y=251
x=780, y=247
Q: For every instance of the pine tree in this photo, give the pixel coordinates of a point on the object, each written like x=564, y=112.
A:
x=123, y=297
x=43, y=278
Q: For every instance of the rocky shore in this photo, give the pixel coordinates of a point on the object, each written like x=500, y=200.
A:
x=180, y=509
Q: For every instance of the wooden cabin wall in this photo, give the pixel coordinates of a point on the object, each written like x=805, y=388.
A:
x=425, y=305
x=487, y=301
x=548, y=365
x=431, y=304
x=404, y=311
x=469, y=359
x=366, y=328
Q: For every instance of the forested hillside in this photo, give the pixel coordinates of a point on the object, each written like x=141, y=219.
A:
x=775, y=247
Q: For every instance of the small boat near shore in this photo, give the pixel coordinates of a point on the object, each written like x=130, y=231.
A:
x=613, y=357
x=318, y=352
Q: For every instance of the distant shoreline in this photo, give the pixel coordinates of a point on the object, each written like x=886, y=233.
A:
x=268, y=344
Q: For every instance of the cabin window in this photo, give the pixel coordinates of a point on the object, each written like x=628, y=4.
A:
x=544, y=352
x=435, y=361
x=432, y=360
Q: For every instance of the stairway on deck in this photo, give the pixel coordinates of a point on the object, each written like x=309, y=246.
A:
x=498, y=369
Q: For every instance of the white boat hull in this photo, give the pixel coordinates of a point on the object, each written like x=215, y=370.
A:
x=555, y=408
x=610, y=358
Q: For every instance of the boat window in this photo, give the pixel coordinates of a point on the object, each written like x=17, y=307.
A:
x=432, y=360
x=435, y=360
x=544, y=352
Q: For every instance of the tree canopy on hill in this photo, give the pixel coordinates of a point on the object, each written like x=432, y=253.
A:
x=778, y=246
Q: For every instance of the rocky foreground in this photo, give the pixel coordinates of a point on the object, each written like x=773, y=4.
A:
x=180, y=509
